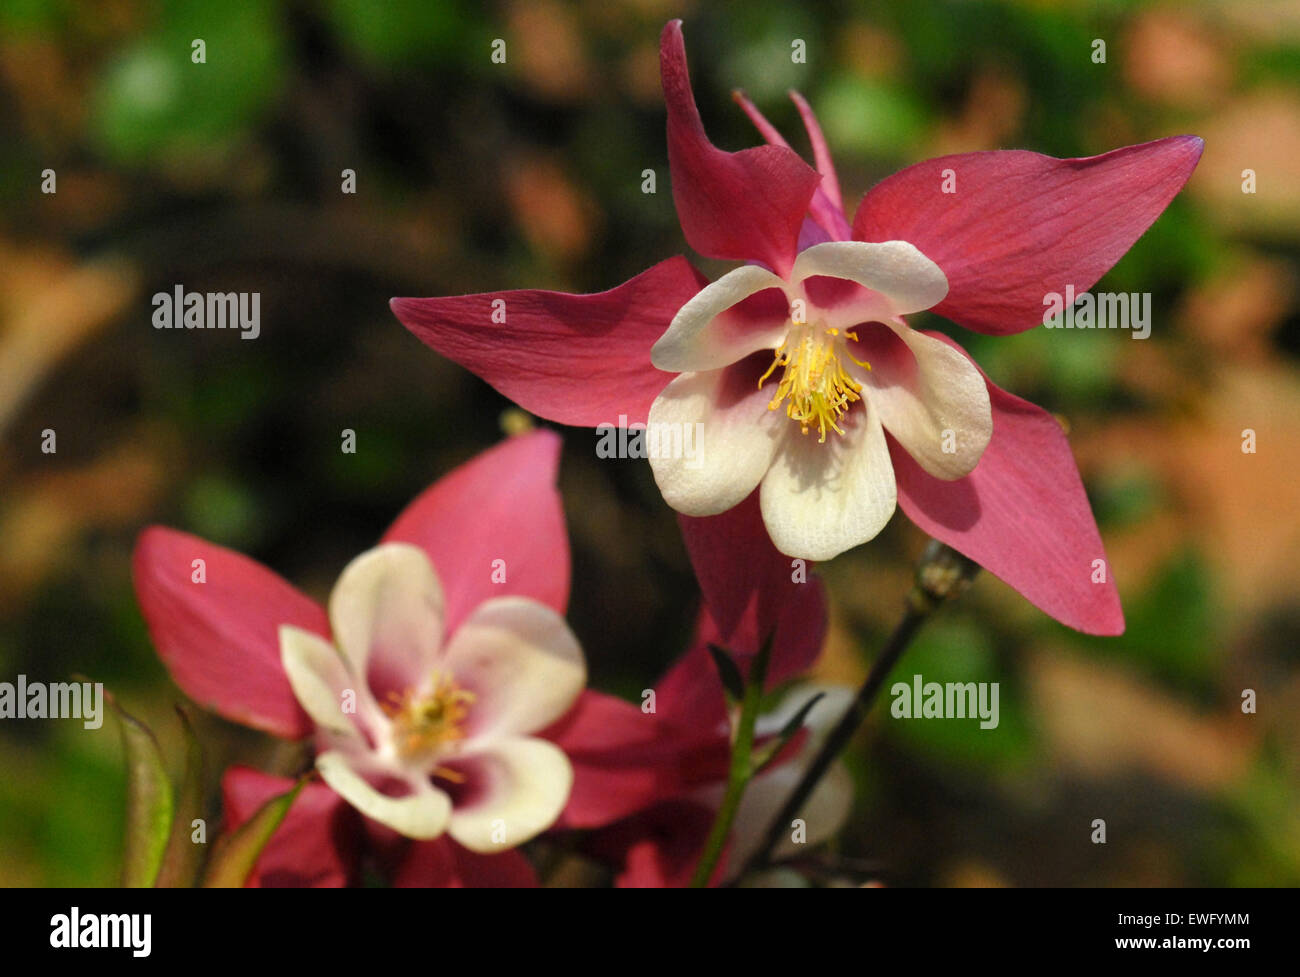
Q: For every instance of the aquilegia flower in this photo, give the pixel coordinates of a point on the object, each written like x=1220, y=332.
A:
x=443, y=652
x=799, y=367
x=425, y=736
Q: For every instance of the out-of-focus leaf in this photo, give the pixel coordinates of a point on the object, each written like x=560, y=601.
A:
x=183, y=858
x=148, y=802
x=870, y=117
x=408, y=31
x=154, y=101
x=237, y=853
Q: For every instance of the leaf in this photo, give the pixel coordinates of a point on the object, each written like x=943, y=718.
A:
x=764, y=757
x=148, y=802
x=728, y=672
x=183, y=858
x=237, y=853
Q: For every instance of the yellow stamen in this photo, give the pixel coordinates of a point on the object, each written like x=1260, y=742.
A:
x=814, y=382
x=425, y=723
x=446, y=773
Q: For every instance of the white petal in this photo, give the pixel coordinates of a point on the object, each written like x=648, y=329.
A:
x=521, y=662
x=386, y=612
x=941, y=391
x=900, y=277
x=525, y=784
x=319, y=678
x=697, y=339
x=824, y=813
x=827, y=808
x=422, y=814
x=819, y=500
x=822, y=717
x=723, y=415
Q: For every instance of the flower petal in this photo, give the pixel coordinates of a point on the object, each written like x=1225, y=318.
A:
x=819, y=500
x=700, y=339
x=822, y=156
x=521, y=662
x=744, y=206
x=899, y=278
x=826, y=207
x=573, y=359
x=219, y=638
x=1020, y=225
x=495, y=527
x=624, y=760
x=659, y=848
x=1023, y=515
x=422, y=814
x=824, y=813
x=520, y=787
x=387, y=613
x=930, y=397
x=751, y=590
x=316, y=845
x=443, y=864
x=319, y=678
x=724, y=416
x=828, y=807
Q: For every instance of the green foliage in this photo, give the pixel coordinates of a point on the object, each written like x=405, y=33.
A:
x=155, y=103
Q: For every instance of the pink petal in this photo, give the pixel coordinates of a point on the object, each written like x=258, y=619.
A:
x=749, y=592
x=1021, y=225
x=826, y=206
x=625, y=760
x=315, y=846
x=1022, y=514
x=220, y=639
x=743, y=206
x=443, y=864
x=659, y=848
x=821, y=152
x=573, y=359
x=501, y=505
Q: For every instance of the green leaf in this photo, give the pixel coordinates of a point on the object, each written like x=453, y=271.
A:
x=183, y=858
x=237, y=853
x=148, y=802
x=728, y=672
x=763, y=759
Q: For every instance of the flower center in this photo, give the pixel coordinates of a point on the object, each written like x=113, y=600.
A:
x=424, y=724
x=814, y=384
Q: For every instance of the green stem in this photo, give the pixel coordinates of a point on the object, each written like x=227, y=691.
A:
x=739, y=774
x=941, y=573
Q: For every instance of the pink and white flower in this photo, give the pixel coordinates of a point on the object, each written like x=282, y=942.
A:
x=810, y=386
x=429, y=736
x=442, y=652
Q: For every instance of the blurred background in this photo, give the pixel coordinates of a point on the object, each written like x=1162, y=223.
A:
x=473, y=176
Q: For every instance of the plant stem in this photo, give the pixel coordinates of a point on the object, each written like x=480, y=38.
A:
x=739, y=773
x=941, y=573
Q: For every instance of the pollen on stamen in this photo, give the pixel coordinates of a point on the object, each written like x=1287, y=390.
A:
x=426, y=723
x=814, y=385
